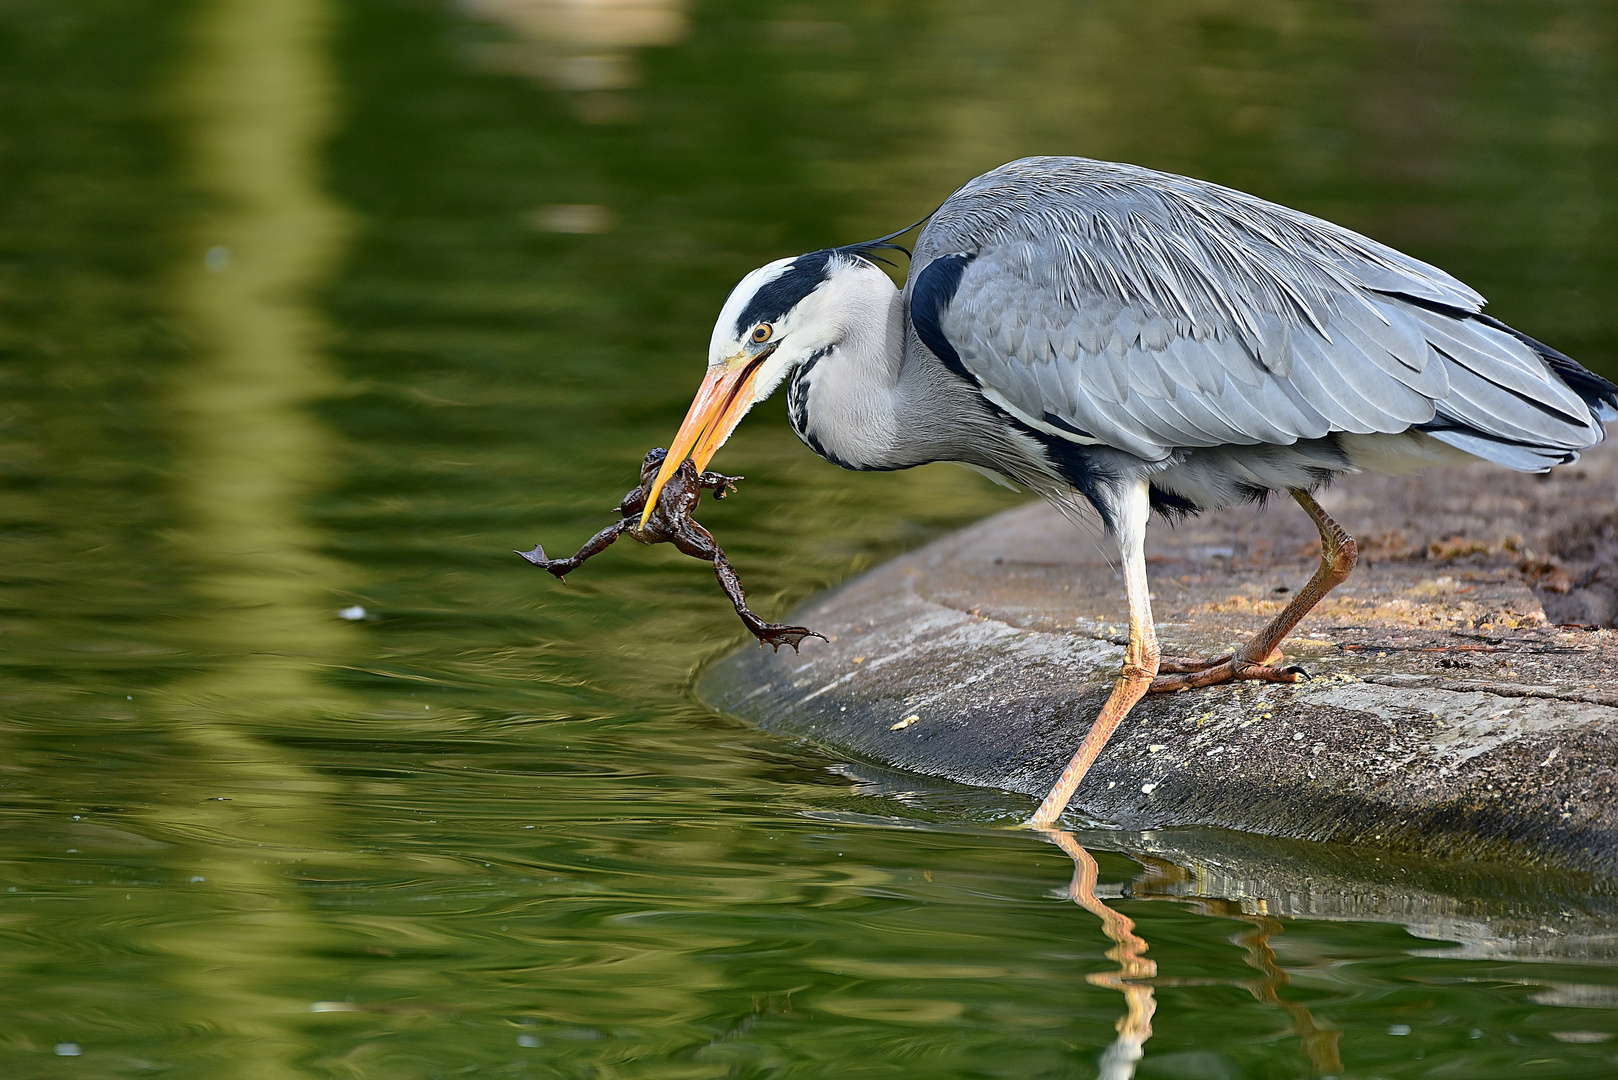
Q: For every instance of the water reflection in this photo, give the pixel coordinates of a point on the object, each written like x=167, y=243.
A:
x=1319, y=1043
x=487, y=829
x=584, y=48
x=1136, y=974
x=256, y=95
x=1135, y=1026
x=1547, y=916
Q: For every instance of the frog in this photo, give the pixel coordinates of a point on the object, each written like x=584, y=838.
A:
x=670, y=522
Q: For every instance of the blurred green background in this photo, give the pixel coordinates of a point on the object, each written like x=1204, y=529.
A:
x=311, y=311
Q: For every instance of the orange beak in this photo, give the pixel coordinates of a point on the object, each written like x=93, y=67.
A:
x=722, y=400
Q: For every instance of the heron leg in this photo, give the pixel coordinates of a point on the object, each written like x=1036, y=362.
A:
x=1338, y=555
x=1140, y=656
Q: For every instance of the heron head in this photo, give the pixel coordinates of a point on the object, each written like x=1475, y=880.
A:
x=778, y=317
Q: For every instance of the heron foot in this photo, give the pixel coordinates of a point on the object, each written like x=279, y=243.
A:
x=1189, y=674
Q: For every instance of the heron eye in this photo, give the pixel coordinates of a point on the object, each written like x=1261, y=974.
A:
x=762, y=332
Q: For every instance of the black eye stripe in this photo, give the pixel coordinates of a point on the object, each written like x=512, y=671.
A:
x=805, y=274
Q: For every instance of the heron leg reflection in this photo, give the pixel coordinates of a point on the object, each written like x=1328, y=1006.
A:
x=1162, y=880
x=1320, y=1044
x=1128, y=950
x=1256, y=659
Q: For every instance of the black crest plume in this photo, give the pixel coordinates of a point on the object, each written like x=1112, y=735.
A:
x=865, y=248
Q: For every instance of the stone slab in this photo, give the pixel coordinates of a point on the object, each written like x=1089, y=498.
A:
x=1447, y=713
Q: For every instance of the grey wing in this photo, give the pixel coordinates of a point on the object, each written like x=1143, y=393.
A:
x=1109, y=304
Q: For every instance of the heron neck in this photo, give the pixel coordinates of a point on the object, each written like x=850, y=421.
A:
x=844, y=400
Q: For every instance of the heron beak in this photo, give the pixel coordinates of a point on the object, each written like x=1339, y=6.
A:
x=722, y=400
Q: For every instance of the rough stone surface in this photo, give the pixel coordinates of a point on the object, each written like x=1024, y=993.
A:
x=1447, y=713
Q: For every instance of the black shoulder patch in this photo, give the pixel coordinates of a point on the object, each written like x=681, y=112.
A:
x=1082, y=467
x=805, y=274
x=935, y=287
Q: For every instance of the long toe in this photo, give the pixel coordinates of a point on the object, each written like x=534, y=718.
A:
x=1171, y=665
x=1231, y=669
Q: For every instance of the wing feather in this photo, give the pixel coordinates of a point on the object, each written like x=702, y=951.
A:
x=1392, y=329
x=1217, y=412
x=1503, y=360
x=1493, y=410
x=1271, y=416
x=1166, y=417
x=1314, y=378
x=1377, y=375
x=1241, y=364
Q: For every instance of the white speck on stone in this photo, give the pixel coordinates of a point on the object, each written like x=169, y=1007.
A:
x=906, y=722
x=1147, y=789
x=1156, y=748
x=352, y=614
x=1297, y=736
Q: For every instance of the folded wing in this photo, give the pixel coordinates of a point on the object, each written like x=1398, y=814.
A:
x=1108, y=304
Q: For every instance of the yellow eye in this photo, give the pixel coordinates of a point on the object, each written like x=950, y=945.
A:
x=762, y=332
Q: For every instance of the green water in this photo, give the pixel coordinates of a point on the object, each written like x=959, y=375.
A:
x=286, y=329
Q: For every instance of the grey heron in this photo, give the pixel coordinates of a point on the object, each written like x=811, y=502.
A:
x=1123, y=340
